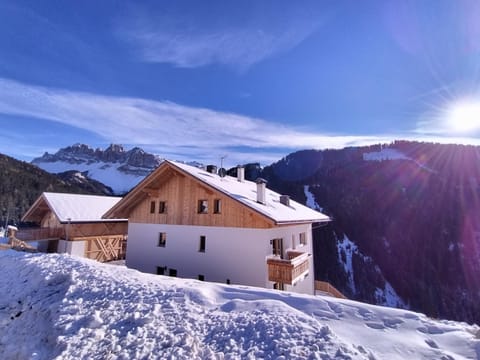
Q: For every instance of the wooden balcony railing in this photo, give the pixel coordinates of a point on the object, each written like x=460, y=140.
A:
x=39, y=234
x=288, y=271
x=325, y=288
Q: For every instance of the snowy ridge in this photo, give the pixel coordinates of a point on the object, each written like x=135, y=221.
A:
x=392, y=154
x=385, y=154
x=80, y=309
x=386, y=296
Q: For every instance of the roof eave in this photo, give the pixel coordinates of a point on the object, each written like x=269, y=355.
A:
x=305, y=221
x=64, y=222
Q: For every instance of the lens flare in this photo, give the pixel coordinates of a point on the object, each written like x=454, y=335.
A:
x=464, y=117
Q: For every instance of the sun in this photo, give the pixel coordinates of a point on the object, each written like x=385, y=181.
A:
x=463, y=117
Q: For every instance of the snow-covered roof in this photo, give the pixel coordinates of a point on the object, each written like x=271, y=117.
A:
x=80, y=208
x=246, y=193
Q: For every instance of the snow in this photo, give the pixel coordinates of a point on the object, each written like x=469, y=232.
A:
x=106, y=173
x=347, y=247
x=311, y=202
x=56, y=306
x=79, y=208
x=392, y=154
x=385, y=154
x=386, y=296
x=246, y=193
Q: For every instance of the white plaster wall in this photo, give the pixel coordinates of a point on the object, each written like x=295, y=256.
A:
x=76, y=248
x=237, y=254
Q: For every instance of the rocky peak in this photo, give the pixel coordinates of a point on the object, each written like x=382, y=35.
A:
x=139, y=158
x=82, y=157
x=114, y=153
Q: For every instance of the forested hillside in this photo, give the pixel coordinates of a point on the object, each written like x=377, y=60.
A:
x=411, y=208
x=21, y=183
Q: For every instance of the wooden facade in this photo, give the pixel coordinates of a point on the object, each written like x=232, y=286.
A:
x=106, y=248
x=181, y=193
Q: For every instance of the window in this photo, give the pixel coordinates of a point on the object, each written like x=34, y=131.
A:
x=202, y=206
x=203, y=241
x=303, y=238
x=152, y=207
x=162, y=207
x=278, y=286
x=217, y=206
x=172, y=272
x=162, y=239
x=161, y=270
x=201, y=277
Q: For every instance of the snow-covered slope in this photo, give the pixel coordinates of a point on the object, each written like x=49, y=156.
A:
x=385, y=154
x=106, y=173
x=56, y=306
x=119, y=169
x=392, y=154
x=385, y=295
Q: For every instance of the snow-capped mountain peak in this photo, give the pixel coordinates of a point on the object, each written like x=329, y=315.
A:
x=115, y=167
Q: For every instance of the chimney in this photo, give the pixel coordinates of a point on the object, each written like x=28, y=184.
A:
x=240, y=173
x=261, y=190
x=285, y=200
x=212, y=169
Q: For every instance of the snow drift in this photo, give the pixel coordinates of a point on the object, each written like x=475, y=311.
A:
x=57, y=306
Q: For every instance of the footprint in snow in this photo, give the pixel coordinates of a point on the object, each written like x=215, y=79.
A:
x=375, y=325
x=392, y=323
x=431, y=343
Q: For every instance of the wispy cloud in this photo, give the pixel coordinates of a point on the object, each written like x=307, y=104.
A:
x=167, y=128
x=250, y=35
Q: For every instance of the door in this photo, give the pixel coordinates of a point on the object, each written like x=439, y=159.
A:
x=277, y=247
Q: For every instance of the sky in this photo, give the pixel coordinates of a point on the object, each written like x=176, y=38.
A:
x=244, y=80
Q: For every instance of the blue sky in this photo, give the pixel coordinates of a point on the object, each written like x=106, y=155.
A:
x=253, y=80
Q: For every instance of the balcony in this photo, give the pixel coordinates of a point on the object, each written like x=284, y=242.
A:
x=288, y=271
x=36, y=234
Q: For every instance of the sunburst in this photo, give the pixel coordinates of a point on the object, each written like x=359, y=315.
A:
x=463, y=117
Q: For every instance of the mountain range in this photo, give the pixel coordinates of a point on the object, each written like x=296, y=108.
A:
x=119, y=169
x=404, y=230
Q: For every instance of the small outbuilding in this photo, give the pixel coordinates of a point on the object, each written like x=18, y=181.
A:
x=73, y=224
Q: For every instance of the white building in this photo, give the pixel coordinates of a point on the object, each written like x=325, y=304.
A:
x=188, y=222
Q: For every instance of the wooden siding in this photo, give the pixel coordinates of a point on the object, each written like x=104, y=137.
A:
x=181, y=194
x=79, y=230
x=105, y=248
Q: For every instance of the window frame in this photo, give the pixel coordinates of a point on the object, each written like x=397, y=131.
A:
x=202, y=207
x=302, y=239
x=162, y=239
x=217, y=206
x=162, y=207
x=202, y=246
x=172, y=272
